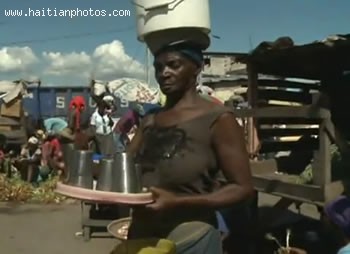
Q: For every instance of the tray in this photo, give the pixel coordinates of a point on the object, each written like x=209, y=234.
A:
x=103, y=196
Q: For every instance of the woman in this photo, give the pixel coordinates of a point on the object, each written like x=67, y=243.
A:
x=102, y=125
x=76, y=108
x=182, y=148
x=81, y=137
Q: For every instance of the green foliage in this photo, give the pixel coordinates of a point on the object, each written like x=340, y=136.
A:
x=16, y=190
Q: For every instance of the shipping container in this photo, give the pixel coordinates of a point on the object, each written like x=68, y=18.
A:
x=46, y=102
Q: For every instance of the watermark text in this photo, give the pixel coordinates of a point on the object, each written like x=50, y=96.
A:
x=71, y=13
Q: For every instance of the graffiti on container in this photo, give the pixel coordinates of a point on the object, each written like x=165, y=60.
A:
x=62, y=104
x=123, y=103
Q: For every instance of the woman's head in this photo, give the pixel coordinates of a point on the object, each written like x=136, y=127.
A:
x=177, y=67
x=33, y=143
x=77, y=103
x=102, y=107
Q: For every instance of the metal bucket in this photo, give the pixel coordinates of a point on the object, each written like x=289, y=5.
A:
x=81, y=170
x=106, y=177
x=127, y=176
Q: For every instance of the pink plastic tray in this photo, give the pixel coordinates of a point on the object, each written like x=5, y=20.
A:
x=103, y=196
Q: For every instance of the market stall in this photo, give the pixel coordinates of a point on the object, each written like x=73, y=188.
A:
x=325, y=61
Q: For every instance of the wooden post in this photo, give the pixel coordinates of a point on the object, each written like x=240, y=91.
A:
x=321, y=166
x=252, y=93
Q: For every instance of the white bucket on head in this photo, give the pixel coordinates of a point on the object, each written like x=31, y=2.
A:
x=155, y=16
x=157, y=40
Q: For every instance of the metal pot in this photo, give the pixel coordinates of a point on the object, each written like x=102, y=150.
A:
x=80, y=173
x=127, y=176
x=106, y=178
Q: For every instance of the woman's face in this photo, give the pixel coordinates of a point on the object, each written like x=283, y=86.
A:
x=32, y=146
x=174, y=72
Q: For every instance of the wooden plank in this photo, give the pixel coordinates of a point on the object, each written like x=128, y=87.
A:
x=286, y=112
x=277, y=146
x=274, y=103
x=5, y=128
x=288, y=84
x=9, y=121
x=276, y=186
x=263, y=166
x=274, y=94
x=265, y=83
x=288, y=121
x=12, y=109
x=278, y=132
x=15, y=134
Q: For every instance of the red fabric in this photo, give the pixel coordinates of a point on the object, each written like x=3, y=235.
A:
x=55, y=145
x=45, y=151
x=51, y=149
x=126, y=122
x=78, y=105
x=2, y=155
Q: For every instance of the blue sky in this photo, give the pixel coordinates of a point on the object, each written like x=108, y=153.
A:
x=234, y=21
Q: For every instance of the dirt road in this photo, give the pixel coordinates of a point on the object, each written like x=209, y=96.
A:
x=50, y=229
x=46, y=229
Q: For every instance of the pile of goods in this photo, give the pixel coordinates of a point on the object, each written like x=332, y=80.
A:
x=15, y=189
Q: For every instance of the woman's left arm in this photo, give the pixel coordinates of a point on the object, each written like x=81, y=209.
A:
x=230, y=148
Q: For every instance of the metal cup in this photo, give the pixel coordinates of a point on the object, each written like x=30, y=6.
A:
x=81, y=170
x=106, y=177
x=127, y=174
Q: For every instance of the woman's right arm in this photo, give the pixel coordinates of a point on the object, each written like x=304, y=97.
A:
x=137, y=140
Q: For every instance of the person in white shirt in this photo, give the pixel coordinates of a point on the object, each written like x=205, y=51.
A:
x=102, y=126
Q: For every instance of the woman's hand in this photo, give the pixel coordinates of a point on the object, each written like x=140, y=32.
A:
x=163, y=200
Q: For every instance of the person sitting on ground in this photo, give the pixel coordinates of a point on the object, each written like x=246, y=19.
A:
x=181, y=149
x=5, y=164
x=29, y=160
x=52, y=158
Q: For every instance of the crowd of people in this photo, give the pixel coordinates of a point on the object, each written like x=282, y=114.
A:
x=42, y=155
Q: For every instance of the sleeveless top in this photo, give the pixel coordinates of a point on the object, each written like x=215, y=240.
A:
x=179, y=159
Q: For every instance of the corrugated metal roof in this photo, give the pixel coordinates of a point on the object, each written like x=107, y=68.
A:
x=311, y=61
